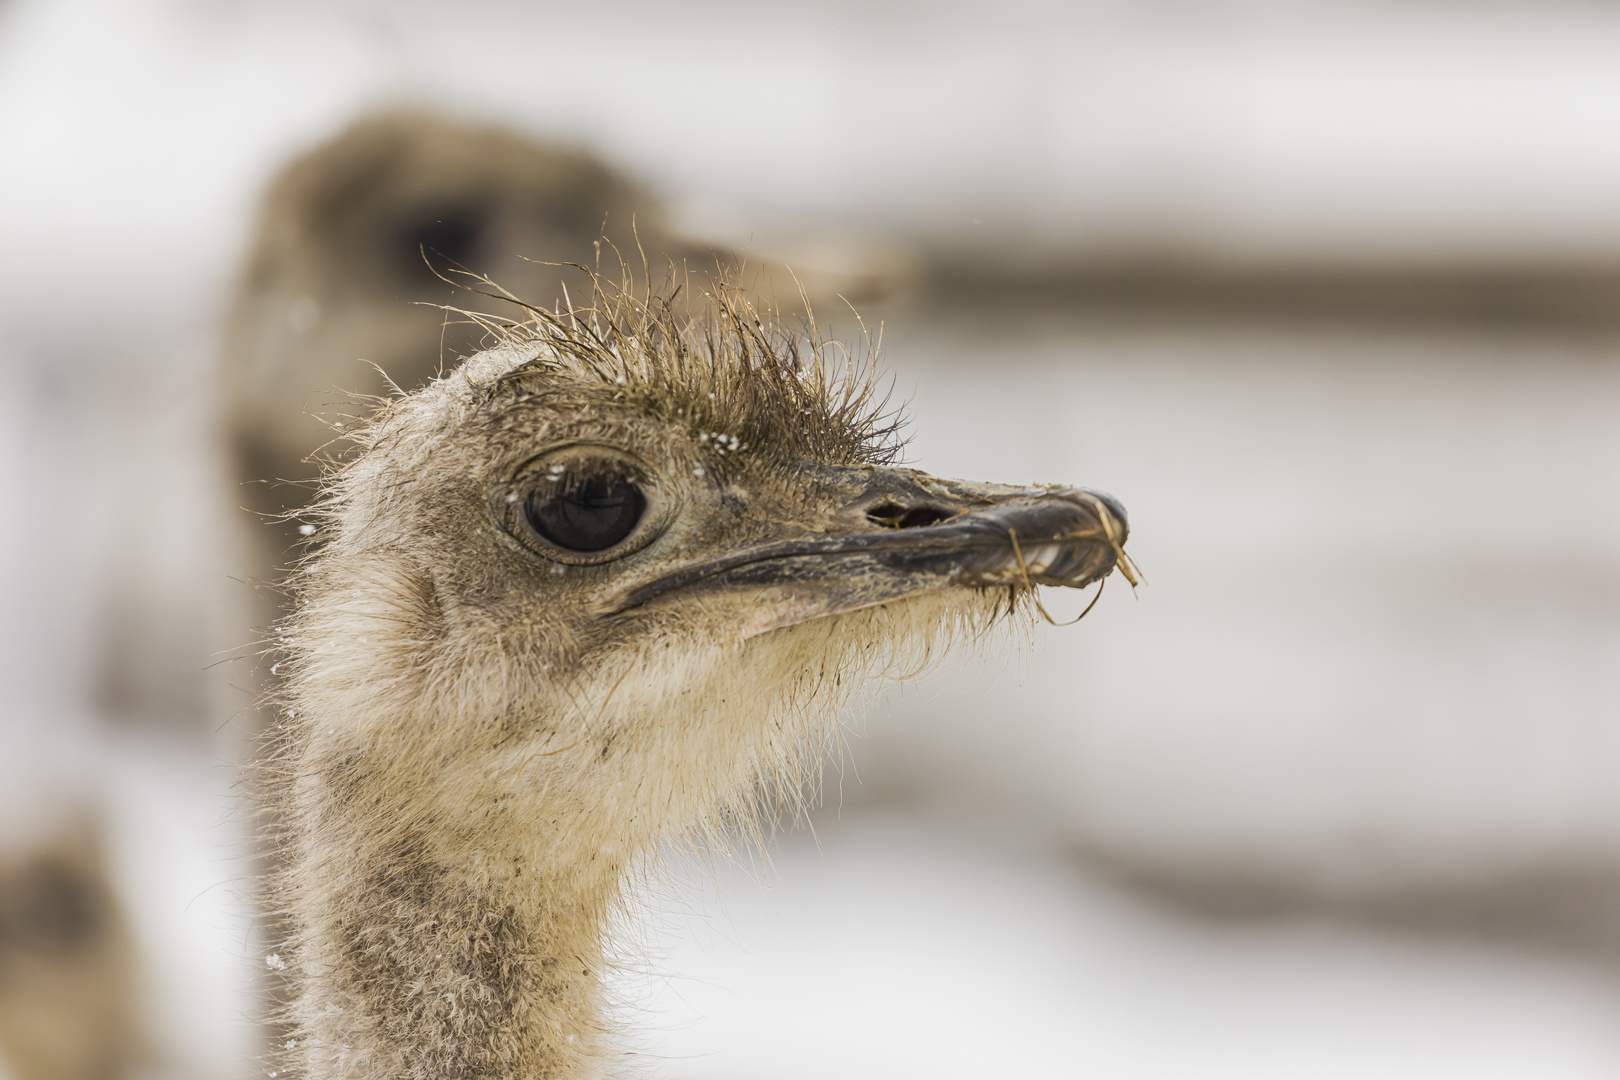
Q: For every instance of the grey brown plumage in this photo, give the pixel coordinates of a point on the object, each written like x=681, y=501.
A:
x=489, y=721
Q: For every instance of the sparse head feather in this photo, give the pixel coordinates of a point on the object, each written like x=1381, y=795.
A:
x=724, y=367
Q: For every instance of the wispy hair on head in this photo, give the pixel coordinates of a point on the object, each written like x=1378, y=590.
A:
x=728, y=362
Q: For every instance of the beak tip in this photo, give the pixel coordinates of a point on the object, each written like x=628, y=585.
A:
x=1115, y=508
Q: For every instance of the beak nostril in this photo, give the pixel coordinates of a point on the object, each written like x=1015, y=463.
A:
x=894, y=516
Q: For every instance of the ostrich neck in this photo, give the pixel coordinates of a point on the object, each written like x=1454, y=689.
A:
x=454, y=941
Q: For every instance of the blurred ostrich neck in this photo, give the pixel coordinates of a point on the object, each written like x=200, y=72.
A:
x=459, y=934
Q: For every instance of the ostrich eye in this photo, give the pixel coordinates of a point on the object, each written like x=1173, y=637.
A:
x=582, y=504
x=590, y=512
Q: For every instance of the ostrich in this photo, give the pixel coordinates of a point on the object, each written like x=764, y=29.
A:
x=600, y=589
x=70, y=976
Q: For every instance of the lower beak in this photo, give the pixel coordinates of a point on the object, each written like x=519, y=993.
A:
x=908, y=534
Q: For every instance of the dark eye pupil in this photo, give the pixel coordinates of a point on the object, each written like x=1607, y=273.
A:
x=590, y=514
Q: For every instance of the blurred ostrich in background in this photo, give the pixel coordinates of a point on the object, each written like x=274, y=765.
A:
x=69, y=986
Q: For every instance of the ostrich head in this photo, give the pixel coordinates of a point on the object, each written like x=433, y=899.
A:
x=581, y=596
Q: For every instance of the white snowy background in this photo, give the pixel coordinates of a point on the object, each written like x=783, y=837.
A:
x=1337, y=794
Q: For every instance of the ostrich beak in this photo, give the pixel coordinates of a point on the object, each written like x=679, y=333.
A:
x=893, y=533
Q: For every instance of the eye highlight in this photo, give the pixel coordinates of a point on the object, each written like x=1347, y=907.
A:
x=582, y=504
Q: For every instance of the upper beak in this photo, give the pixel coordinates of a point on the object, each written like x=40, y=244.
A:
x=891, y=533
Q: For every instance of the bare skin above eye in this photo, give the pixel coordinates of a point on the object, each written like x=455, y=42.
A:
x=584, y=595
